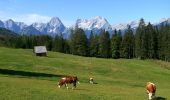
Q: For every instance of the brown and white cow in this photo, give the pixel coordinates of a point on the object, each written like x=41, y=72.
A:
x=68, y=80
x=151, y=89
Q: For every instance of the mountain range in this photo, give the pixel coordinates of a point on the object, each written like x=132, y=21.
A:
x=55, y=26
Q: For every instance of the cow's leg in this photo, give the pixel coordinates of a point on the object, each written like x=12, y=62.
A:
x=74, y=85
x=150, y=96
x=66, y=85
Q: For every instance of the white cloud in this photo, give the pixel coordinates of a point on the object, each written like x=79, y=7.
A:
x=31, y=18
x=3, y=15
x=26, y=18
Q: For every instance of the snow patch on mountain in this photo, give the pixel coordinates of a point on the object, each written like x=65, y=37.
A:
x=55, y=26
x=93, y=23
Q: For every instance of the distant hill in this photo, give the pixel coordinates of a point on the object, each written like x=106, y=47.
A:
x=6, y=32
x=6, y=35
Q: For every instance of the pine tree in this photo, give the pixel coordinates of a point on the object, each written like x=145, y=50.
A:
x=164, y=42
x=71, y=41
x=79, y=42
x=104, y=45
x=159, y=42
x=47, y=41
x=115, y=44
x=140, y=40
x=168, y=42
x=58, y=43
x=66, y=46
x=152, y=41
x=93, y=45
x=128, y=44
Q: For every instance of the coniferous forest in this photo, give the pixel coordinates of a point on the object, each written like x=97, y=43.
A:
x=146, y=42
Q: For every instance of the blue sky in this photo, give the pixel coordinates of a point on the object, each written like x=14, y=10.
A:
x=115, y=11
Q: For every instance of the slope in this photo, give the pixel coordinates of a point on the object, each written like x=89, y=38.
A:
x=25, y=76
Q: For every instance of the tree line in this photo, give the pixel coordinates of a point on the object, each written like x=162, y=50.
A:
x=146, y=42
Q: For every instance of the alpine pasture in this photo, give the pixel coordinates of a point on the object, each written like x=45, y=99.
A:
x=24, y=76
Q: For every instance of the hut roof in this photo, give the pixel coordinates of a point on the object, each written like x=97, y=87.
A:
x=40, y=49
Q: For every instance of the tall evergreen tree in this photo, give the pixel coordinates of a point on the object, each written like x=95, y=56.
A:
x=71, y=41
x=152, y=41
x=79, y=42
x=93, y=45
x=58, y=43
x=66, y=46
x=139, y=40
x=128, y=44
x=104, y=45
x=168, y=42
x=115, y=44
x=164, y=42
x=161, y=42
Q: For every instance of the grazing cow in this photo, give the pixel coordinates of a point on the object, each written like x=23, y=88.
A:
x=68, y=80
x=151, y=89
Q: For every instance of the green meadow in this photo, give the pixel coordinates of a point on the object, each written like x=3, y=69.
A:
x=23, y=76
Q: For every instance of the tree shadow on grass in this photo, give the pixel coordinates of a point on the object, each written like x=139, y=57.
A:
x=27, y=74
x=160, y=98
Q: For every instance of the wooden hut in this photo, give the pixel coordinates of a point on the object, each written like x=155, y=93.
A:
x=40, y=50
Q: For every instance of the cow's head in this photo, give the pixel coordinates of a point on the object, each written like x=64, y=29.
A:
x=60, y=83
x=75, y=80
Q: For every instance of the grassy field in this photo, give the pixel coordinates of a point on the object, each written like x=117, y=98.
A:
x=24, y=76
